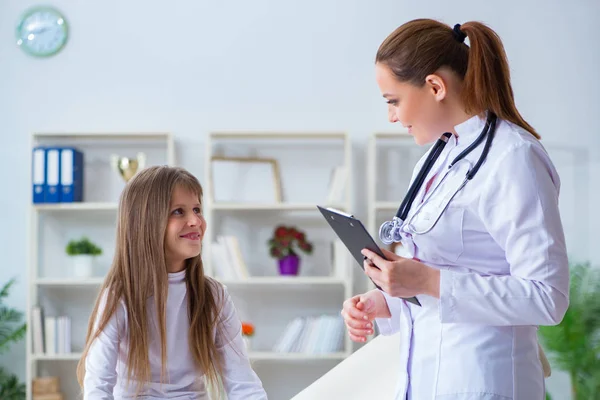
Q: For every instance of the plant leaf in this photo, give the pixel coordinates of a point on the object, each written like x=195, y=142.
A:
x=6, y=289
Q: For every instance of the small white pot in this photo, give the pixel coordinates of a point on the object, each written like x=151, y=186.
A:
x=83, y=265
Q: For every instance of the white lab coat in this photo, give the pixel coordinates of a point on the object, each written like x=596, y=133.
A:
x=500, y=248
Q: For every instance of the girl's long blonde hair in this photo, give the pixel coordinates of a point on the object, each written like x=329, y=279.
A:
x=139, y=272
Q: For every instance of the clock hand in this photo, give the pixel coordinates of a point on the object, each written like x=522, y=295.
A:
x=40, y=30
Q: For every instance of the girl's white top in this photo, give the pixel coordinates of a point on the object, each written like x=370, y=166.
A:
x=500, y=247
x=106, y=363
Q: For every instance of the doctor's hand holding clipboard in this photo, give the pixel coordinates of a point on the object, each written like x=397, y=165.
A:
x=398, y=277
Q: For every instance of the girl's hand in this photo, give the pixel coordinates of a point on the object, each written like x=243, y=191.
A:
x=360, y=311
x=401, y=277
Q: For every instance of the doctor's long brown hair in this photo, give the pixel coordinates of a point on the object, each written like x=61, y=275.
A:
x=139, y=274
x=422, y=46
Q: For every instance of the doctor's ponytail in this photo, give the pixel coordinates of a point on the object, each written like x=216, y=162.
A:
x=420, y=47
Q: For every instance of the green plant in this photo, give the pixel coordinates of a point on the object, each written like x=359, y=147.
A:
x=285, y=239
x=11, y=330
x=82, y=246
x=574, y=344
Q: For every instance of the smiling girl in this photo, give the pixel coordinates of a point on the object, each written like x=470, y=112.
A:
x=160, y=328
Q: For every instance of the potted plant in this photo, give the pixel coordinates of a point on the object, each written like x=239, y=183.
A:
x=285, y=244
x=12, y=330
x=247, y=334
x=82, y=253
x=574, y=344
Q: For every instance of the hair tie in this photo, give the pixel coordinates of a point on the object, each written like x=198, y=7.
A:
x=458, y=34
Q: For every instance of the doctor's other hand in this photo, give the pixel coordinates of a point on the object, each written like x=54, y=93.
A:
x=401, y=277
x=360, y=311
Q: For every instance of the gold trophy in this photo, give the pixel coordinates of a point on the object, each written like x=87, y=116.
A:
x=128, y=167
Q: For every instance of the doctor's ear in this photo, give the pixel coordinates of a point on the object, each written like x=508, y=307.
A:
x=436, y=85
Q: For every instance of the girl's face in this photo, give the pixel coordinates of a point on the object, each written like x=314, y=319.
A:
x=185, y=229
x=417, y=108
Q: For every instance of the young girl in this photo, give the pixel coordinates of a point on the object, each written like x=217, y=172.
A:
x=486, y=250
x=159, y=324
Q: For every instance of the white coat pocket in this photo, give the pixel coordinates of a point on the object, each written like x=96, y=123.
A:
x=444, y=241
x=437, y=225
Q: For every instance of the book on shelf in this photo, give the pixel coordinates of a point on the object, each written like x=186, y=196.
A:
x=227, y=259
x=57, y=174
x=340, y=259
x=312, y=335
x=337, y=184
x=50, y=334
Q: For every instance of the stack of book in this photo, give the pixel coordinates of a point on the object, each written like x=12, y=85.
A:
x=312, y=335
x=337, y=185
x=51, y=334
x=227, y=260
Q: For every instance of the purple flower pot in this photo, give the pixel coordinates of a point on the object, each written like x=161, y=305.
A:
x=289, y=265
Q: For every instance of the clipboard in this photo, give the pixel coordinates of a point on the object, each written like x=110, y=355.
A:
x=355, y=237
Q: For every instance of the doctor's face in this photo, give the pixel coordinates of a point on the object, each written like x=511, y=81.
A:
x=416, y=108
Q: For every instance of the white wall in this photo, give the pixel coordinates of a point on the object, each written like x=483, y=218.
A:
x=195, y=66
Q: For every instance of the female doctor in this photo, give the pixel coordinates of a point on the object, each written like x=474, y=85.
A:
x=488, y=258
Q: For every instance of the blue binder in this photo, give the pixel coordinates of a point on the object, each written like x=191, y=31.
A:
x=52, y=188
x=38, y=174
x=71, y=175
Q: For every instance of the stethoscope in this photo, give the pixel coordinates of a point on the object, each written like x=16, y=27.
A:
x=390, y=231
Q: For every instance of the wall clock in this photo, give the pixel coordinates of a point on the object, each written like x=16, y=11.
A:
x=42, y=31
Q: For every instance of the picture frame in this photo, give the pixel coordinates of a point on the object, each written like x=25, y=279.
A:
x=245, y=180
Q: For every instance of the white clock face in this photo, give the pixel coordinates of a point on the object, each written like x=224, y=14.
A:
x=42, y=32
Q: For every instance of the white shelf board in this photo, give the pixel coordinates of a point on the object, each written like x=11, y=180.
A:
x=77, y=206
x=252, y=281
x=273, y=356
x=284, y=281
x=272, y=206
x=278, y=135
x=253, y=355
x=387, y=205
x=94, y=281
x=103, y=135
x=57, y=357
x=401, y=134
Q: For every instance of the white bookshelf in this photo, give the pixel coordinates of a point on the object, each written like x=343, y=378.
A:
x=266, y=299
x=51, y=225
x=391, y=157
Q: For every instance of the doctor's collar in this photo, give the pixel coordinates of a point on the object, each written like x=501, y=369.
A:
x=471, y=127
